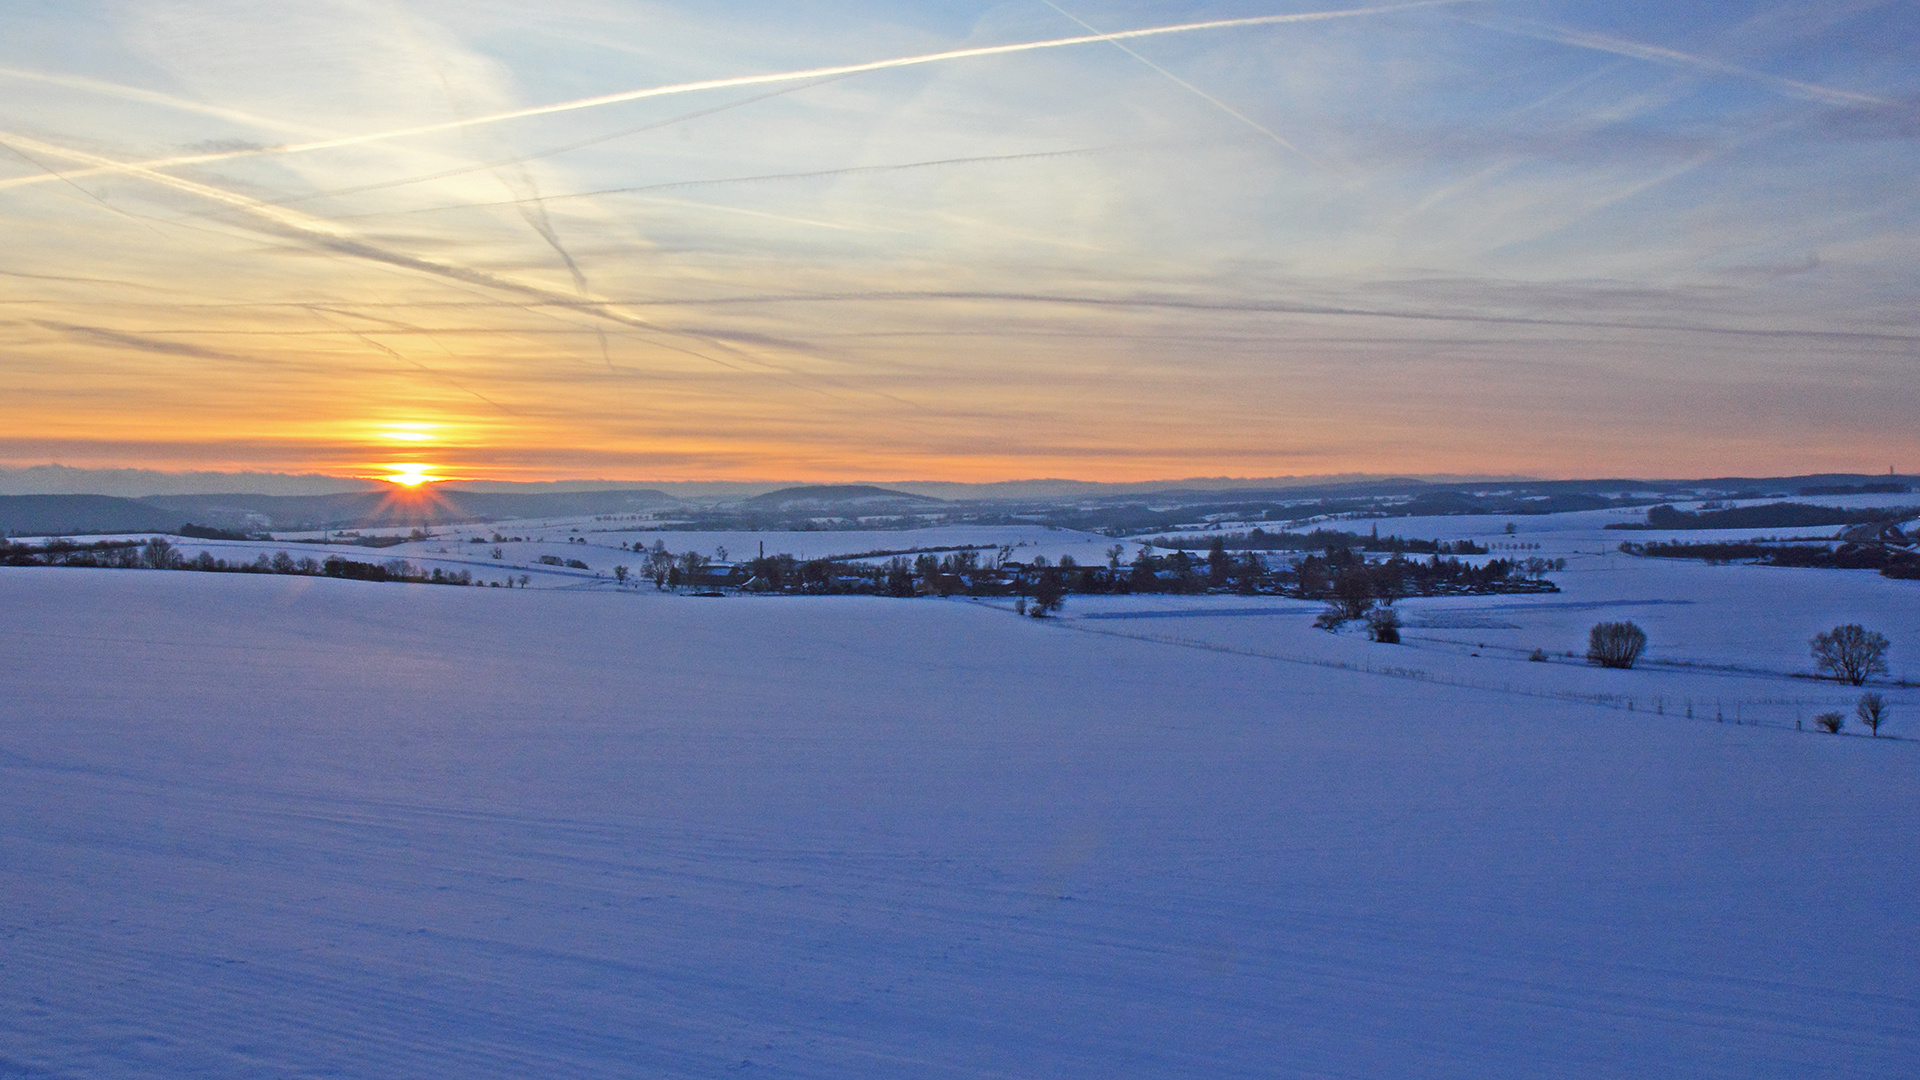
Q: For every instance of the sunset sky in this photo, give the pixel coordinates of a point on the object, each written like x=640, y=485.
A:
x=588, y=238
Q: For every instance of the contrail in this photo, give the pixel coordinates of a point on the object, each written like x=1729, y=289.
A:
x=1184, y=84
x=1583, y=39
x=757, y=80
x=757, y=178
x=538, y=154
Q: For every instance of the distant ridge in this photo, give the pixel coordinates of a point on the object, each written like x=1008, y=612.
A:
x=835, y=495
x=1115, y=509
x=47, y=515
x=59, y=515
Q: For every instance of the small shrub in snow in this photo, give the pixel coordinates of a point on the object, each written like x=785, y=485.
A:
x=1383, y=625
x=1538, y=656
x=1333, y=617
x=1832, y=721
x=1872, y=711
x=1615, y=644
x=1851, y=652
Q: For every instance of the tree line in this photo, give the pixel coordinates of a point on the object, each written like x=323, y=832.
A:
x=1338, y=571
x=156, y=553
x=1891, y=561
x=1259, y=539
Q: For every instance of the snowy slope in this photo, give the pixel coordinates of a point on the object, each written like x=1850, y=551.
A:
x=258, y=826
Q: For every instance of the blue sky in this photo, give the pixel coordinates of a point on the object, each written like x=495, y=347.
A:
x=1551, y=238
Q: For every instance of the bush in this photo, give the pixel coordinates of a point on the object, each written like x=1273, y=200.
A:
x=1850, y=652
x=1872, y=711
x=1383, y=625
x=1832, y=721
x=1538, y=656
x=1332, y=617
x=1615, y=644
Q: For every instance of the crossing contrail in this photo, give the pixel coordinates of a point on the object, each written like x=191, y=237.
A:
x=1184, y=84
x=328, y=236
x=748, y=80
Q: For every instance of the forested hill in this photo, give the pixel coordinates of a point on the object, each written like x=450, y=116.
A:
x=1781, y=515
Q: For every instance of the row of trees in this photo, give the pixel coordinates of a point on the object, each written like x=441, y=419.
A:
x=1891, y=561
x=1849, y=653
x=1339, y=575
x=1870, y=710
x=1320, y=540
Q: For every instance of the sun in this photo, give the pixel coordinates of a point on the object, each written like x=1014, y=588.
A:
x=410, y=474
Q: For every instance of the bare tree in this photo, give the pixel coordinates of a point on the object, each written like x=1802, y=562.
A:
x=1851, y=652
x=1872, y=711
x=1615, y=644
x=160, y=555
x=1049, y=592
x=691, y=563
x=1353, y=591
x=659, y=561
x=1832, y=721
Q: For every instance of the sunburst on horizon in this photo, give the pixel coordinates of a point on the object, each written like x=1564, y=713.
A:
x=411, y=474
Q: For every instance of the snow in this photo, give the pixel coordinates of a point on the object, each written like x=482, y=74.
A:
x=1731, y=639
x=281, y=826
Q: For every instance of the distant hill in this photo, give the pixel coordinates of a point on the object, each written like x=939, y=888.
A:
x=59, y=515
x=44, y=515
x=837, y=497
x=1784, y=515
x=401, y=507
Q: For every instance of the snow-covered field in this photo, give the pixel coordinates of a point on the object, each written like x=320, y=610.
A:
x=263, y=826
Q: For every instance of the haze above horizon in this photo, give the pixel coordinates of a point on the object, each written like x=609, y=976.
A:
x=1117, y=241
